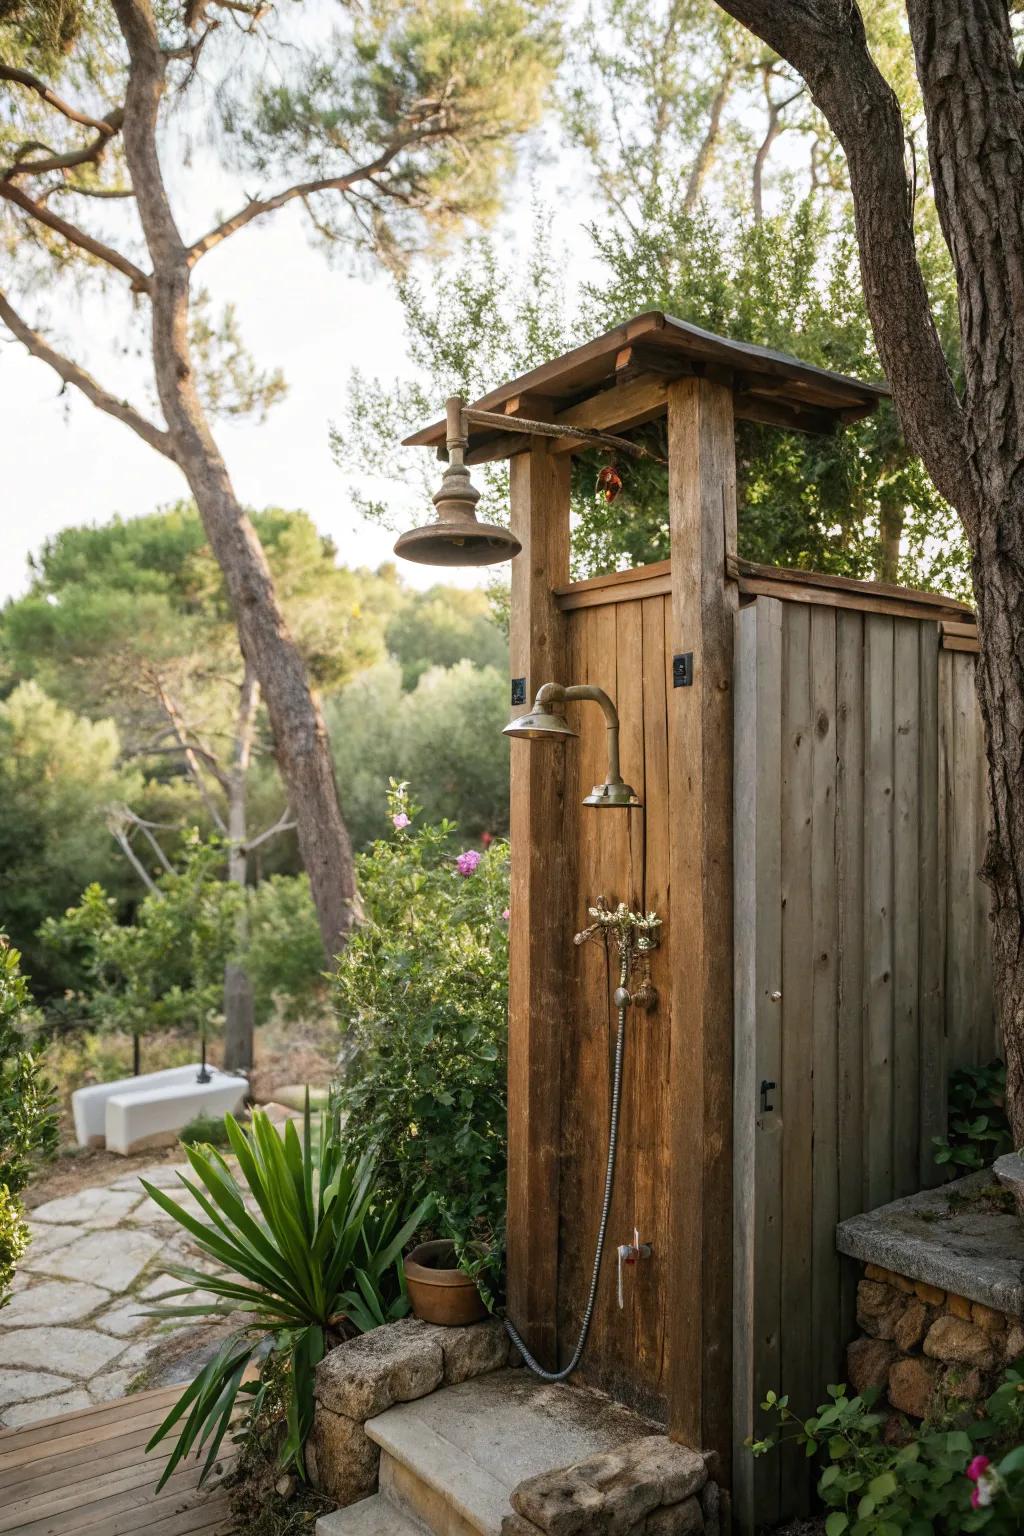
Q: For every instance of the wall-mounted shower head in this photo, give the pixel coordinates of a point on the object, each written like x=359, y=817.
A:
x=546, y=722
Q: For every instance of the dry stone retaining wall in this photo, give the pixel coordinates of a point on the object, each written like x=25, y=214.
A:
x=363, y=1377
x=921, y=1345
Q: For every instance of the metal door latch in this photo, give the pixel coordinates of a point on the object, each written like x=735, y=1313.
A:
x=628, y=1253
x=766, y=1089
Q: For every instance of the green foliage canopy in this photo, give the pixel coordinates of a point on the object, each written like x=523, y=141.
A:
x=60, y=774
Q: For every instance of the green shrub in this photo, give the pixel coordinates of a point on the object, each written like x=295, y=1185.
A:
x=979, y=1130
x=422, y=997
x=944, y=1479
x=28, y=1124
x=322, y=1258
x=284, y=959
x=165, y=970
x=204, y=1131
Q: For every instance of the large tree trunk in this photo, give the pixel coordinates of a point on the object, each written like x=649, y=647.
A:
x=973, y=95
x=999, y=594
x=300, y=738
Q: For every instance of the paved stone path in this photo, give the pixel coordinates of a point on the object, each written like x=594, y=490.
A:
x=75, y=1332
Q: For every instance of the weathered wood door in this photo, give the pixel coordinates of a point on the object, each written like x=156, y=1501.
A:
x=861, y=972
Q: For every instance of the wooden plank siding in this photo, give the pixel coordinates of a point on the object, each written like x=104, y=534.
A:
x=858, y=964
x=621, y=647
x=860, y=821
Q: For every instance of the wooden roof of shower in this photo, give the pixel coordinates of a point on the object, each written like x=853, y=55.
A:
x=620, y=380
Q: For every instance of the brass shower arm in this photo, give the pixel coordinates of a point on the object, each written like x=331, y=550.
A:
x=460, y=436
x=559, y=694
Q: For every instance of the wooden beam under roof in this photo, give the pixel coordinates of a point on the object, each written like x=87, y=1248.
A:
x=619, y=380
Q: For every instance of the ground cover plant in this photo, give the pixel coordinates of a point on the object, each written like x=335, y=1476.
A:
x=979, y=1130
x=310, y=1253
x=422, y=999
x=957, y=1473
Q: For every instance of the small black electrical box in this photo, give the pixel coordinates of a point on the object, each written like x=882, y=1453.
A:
x=519, y=690
x=682, y=670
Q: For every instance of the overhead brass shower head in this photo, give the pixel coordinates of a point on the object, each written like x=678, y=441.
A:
x=456, y=537
x=546, y=722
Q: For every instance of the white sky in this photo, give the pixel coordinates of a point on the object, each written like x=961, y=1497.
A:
x=67, y=463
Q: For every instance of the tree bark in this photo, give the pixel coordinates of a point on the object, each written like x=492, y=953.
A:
x=974, y=449
x=300, y=738
x=239, y=1014
x=891, y=536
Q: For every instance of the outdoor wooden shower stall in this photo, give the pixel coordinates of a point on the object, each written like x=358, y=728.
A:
x=810, y=760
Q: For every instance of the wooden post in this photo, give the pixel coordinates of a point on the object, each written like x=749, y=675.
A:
x=702, y=512
x=540, y=935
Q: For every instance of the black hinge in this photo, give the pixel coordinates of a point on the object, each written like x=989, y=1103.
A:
x=682, y=670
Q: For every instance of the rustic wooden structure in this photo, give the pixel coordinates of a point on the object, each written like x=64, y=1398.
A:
x=87, y=1473
x=813, y=787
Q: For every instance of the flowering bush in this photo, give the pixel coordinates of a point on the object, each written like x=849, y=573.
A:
x=946, y=1478
x=422, y=997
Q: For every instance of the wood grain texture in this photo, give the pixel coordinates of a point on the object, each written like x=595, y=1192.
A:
x=702, y=512
x=540, y=934
x=757, y=1129
x=88, y=1474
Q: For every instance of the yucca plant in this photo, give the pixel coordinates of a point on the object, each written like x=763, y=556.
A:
x=320, y=1260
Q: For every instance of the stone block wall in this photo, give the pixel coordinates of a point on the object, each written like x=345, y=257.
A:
x=363, y=1377
x=648, y=1487
x=921, y=1346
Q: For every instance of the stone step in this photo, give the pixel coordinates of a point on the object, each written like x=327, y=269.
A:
x=375, y=1516
x=451, y=1460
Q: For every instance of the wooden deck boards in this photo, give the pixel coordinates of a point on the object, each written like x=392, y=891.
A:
x=87, y=1474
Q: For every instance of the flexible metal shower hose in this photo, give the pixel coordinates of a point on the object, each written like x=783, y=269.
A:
x=609, y=1180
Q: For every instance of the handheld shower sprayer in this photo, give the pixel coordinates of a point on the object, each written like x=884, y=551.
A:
x=634, y=935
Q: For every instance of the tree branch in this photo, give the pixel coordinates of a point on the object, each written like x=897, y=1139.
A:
x=257, y=207
x=284, y=823
x=71, y=373
x=75, y=236
x=33, y=83
x=825, y=42
x=115, y=822
x=89, y=154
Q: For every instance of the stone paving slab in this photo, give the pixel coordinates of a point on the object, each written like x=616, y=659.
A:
x=99, y=1258
x=53, y=1301
x=20, y=1386
x=81, y=1352
x=98, y=1207
x=76, y=1331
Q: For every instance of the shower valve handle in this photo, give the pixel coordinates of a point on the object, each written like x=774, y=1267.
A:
x=628, y=1253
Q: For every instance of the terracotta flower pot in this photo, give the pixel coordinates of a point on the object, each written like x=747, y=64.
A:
x=439, y=1292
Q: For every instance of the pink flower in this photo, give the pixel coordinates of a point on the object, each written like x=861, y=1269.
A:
x=506, y=915
x=986, y=1480
x=467, y=862
x=400, y=821
x=487, y=838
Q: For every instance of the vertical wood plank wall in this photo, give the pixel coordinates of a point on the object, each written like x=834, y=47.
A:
x=623, y=856
x=862, y=970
